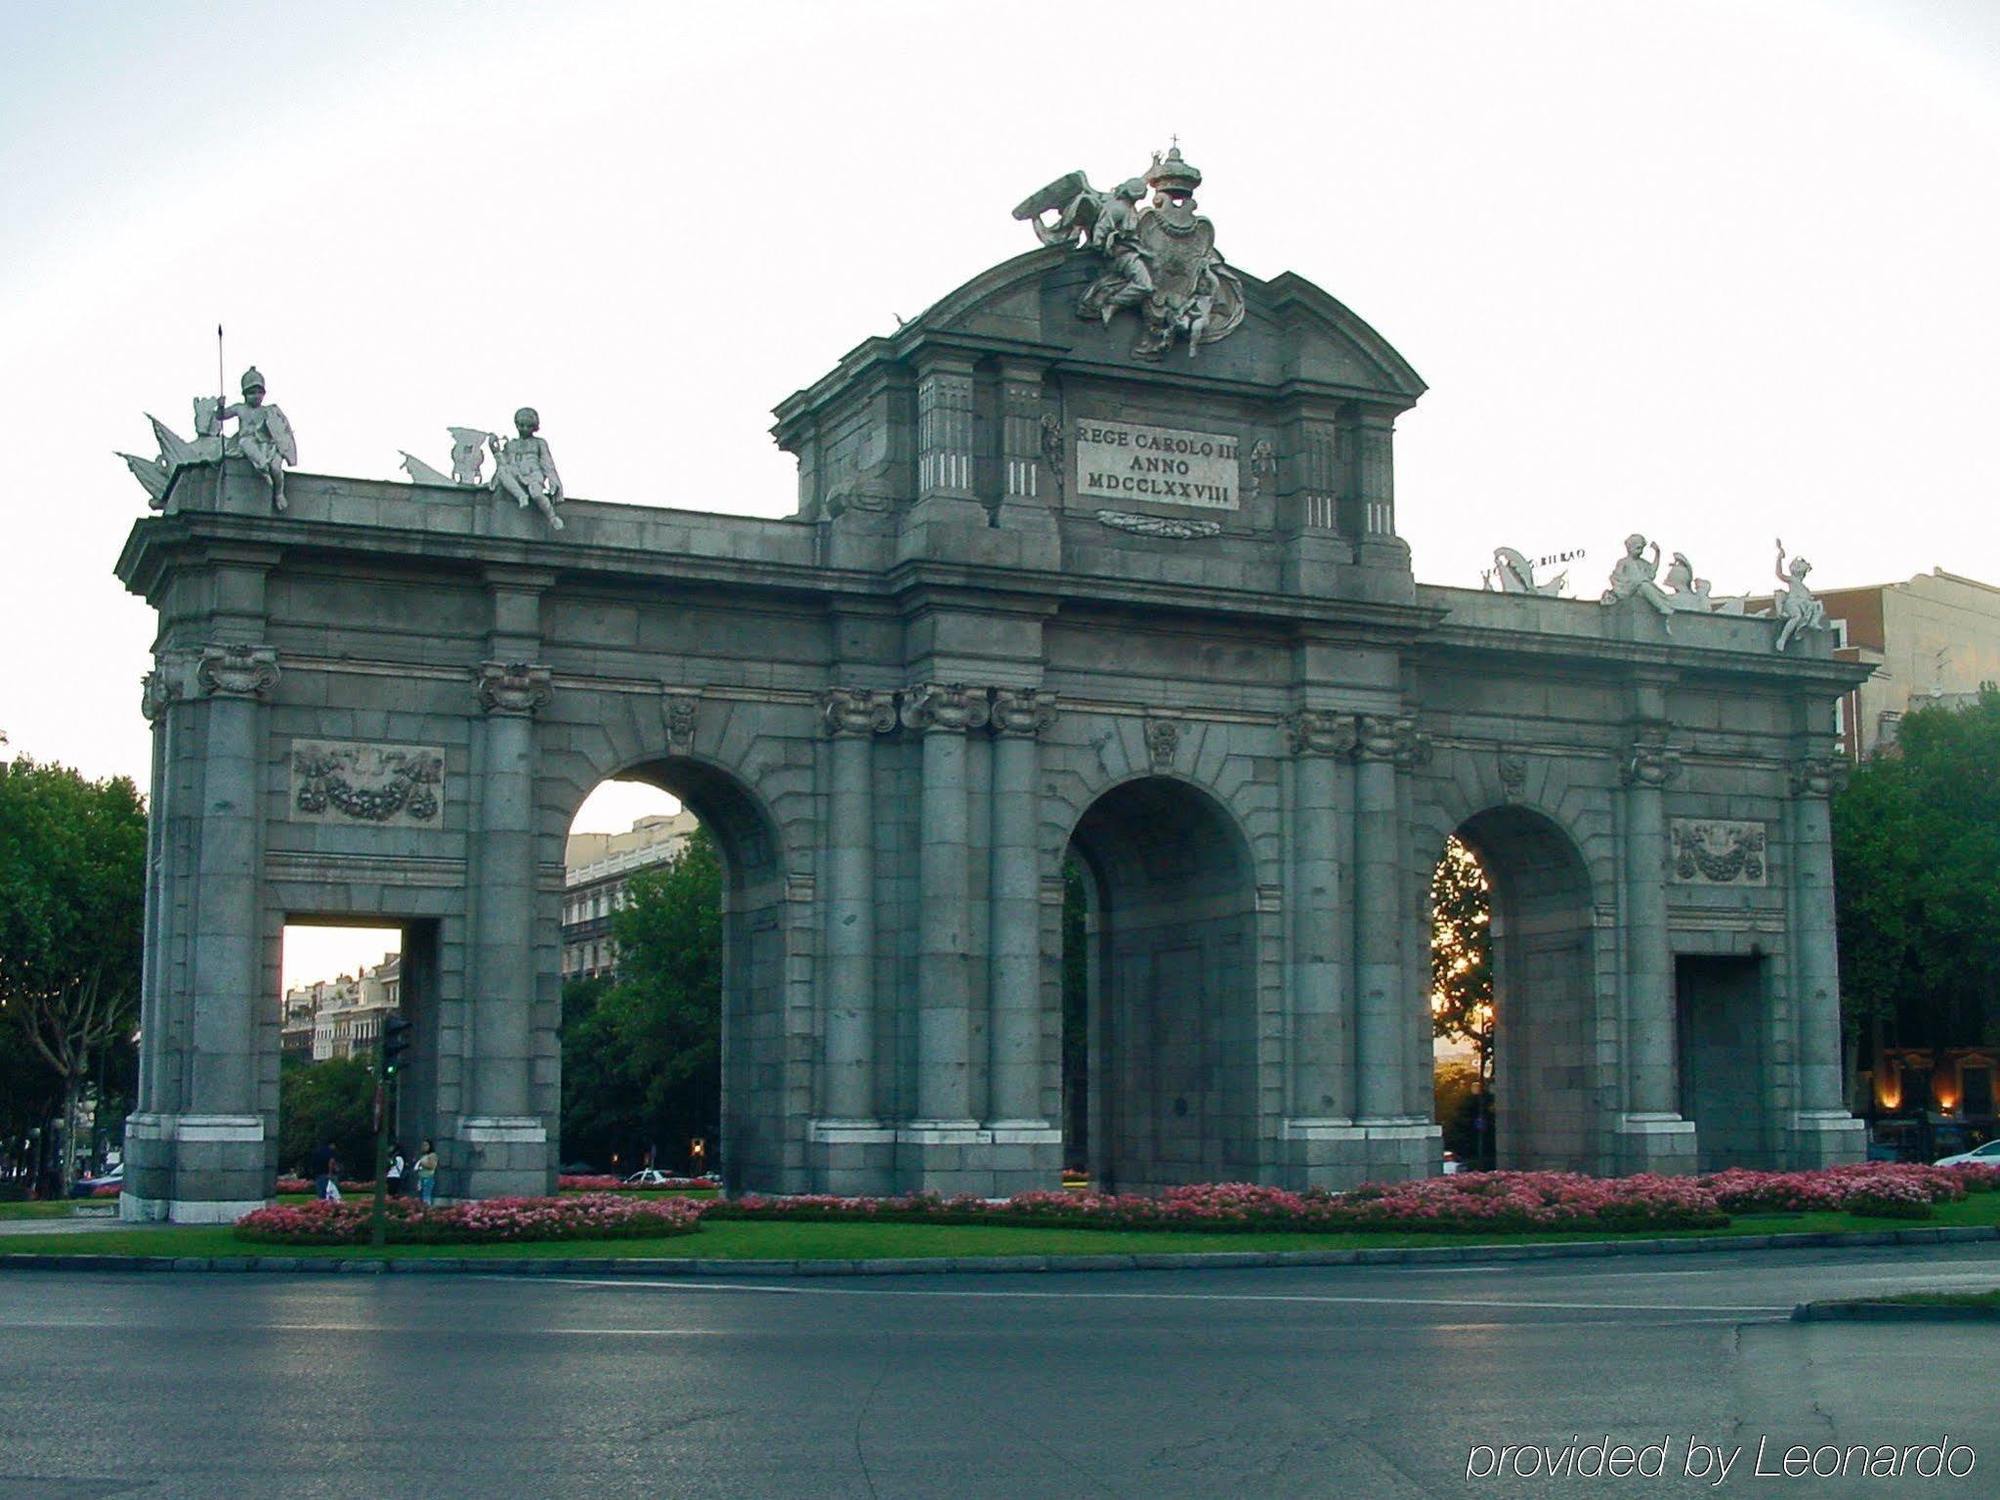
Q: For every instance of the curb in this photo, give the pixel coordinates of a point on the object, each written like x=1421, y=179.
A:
x=1891, y=1312
x=1213, y=1260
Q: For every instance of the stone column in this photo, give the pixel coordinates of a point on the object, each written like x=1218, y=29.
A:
x=1015, y=1067
x=201, y=1158
x=1822, y=1131
x=943, y=714
x=853, y=717
x=1322, y=1149
x=1653, y=1136
x=1378, y=956
x=505, y=1140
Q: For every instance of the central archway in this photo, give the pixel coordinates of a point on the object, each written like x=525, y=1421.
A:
x=751, y=1149
x=1171, y=1052
x=1546, y=1113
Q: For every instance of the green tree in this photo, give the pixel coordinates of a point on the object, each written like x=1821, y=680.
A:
x=72, y=908
x=1916, y=855
x=642, y=1056
x=331, y=1101
x=1462, y=953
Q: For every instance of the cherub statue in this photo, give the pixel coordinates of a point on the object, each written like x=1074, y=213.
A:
x=1633, y=577
x=1794, y=603
x=263, y=435
x=526, y=469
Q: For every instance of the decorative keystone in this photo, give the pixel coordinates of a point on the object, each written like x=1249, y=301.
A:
x=1163, y=742
x=681, y=711
x=513, y=687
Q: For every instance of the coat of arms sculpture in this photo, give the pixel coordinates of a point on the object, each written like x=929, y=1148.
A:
x=1159, y=257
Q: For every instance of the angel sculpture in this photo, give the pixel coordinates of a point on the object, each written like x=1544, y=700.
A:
x=1794, y=603
x=263, y=435
x=1160, y=257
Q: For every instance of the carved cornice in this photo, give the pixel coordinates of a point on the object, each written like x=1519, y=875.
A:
x=1391, y=737
x=1818, y=775
x=944, y=708
x=237, y=671
x=1022, y=711
x=682, y=711
x=1319, y=731
x=512, y=687
x=857, y=711
x=1649, y=761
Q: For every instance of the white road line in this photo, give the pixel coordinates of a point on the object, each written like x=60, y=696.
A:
x=1490, y=1304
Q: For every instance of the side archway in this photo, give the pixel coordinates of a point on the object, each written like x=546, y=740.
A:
x=1171, y=983
x=1544, y=965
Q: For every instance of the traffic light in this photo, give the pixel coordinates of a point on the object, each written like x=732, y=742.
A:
x=395, y=1042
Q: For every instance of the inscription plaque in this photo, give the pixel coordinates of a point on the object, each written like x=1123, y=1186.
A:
x=1133, y=461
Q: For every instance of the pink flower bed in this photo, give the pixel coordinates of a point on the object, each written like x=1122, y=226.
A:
x=1901, y=1190
x=604, y=1184
x=584, y=1216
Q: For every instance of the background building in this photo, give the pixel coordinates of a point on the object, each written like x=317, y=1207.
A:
x=597, y=867
x=341, y=1017
x=1933, y=639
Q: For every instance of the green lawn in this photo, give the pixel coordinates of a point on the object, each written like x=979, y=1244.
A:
x=1988, y=1300
x=738, y=1240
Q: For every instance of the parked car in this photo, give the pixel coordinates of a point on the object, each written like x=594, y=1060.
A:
x=1987, y=1155
x=87, y=1187
x=649, y=1177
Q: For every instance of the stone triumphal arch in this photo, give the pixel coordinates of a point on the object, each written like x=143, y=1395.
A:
x=1097, y=559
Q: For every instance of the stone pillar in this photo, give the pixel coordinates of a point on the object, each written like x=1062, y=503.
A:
x=1027, y=1149
x=853, y=1152
x=935, y=1141
x=502, y=1145
x=1023, y=503
x=200, y=1156
x=1323, y=1145
x=1395, y=1142
x=1652, y=1136
x=1822, y=1132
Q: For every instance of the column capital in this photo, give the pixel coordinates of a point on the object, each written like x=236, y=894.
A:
x=1649, y=761
x=159, y=689
x=1023, y=712
x=1818, y=775
x=514, y=688
x=237, y=671
x=857, y=711
x=1319, y=731
x=944, y=708
x=1391, y=737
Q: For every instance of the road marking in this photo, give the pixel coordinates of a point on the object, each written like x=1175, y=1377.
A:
x=1489, y=1304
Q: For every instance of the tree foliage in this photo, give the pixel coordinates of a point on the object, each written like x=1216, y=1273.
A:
x=331, y=1101
x=642, y=1052
x=1462, y=953
x=1916, y=854
x=72, y=909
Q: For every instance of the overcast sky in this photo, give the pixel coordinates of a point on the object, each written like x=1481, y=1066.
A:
x=1716, y=272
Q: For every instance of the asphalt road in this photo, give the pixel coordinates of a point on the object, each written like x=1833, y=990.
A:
x=1381, y=1383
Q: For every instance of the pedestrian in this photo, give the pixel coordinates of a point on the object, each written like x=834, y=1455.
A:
x=427, y=1168
x=325, y=1168
x=394, y=1175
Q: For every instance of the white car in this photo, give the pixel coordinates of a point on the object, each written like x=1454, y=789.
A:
x=1987, y=1155
x=648, y=1177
